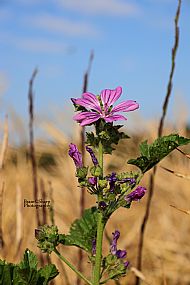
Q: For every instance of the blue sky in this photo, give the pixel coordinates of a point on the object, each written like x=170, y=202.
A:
x=132, y=43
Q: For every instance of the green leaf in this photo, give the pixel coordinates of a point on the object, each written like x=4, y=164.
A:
x=82, y=231
x=153, y=153
x=26, y=272
x=47, y=273
x=6, y=273
x=27, y=276
x=29, y=260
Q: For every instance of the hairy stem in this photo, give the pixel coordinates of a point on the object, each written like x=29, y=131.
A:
x=100, y=231
x=72, y=267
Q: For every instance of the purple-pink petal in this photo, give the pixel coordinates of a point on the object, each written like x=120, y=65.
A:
x=75, y=155
x=109, y=97
x=92, y=180
x=136, y=195
x=126, y=264
x=111, y=118
x=88, y=101
x=113, y=245
x=93, y=157
x=126, y=106
x=86, y=118
x=121, y=253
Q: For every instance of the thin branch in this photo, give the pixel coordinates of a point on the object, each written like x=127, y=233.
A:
x=82, y=134
x=32, y=148
x=170, y=83
x=160, y=131
x=82, y=138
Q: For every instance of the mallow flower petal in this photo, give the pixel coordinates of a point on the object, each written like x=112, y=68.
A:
x=86, y=118
x=91, y=100
x=88, y=101
x=126, y=106
x=112, y=118
x=109, y=97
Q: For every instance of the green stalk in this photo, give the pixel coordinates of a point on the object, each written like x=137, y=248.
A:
x=100, y=231
x=100, y=150
x=72, y=267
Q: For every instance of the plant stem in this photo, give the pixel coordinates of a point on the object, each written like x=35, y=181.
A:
x=100, y=231
x=98, y=258
x=72, y=267
x=100, y=150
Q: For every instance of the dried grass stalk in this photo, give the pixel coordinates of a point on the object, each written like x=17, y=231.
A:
x=185, y=154
x=32, y=148
x=160, y=131
x=19, y=218
x=181, y=210
x=4, y=146
x=176, y=173
x=1, y=214
x=82, y=139
x=52, y=213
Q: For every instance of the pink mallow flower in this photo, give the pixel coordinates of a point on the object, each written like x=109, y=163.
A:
x=102, y=108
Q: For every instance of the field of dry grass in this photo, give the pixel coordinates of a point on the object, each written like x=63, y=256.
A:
x=166, y=255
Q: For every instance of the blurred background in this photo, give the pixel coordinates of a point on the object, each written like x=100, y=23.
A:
x=132, y=42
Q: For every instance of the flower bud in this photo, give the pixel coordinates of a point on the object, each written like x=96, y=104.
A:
x=48, y=238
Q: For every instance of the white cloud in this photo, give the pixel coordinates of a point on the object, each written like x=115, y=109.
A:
x=35, y=44
x=41, y=45
x=61, y=25
x=102, y=7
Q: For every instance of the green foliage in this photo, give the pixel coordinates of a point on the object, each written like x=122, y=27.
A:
x=96, y=171
x=108, y=134
x=153, y=153
x=82, y=231
x=82, y=172
x=47, y=273
x=26, y=272
x=114, y=267
x=47, y=237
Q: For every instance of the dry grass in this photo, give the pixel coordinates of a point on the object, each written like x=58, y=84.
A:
x=166, y=257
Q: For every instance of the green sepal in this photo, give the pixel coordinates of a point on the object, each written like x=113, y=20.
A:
x=82, y=172
x=102, y=183
x=153, y=153
x=82, y=231
x=96, y=171
x=108, y=134
x=114, y=266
